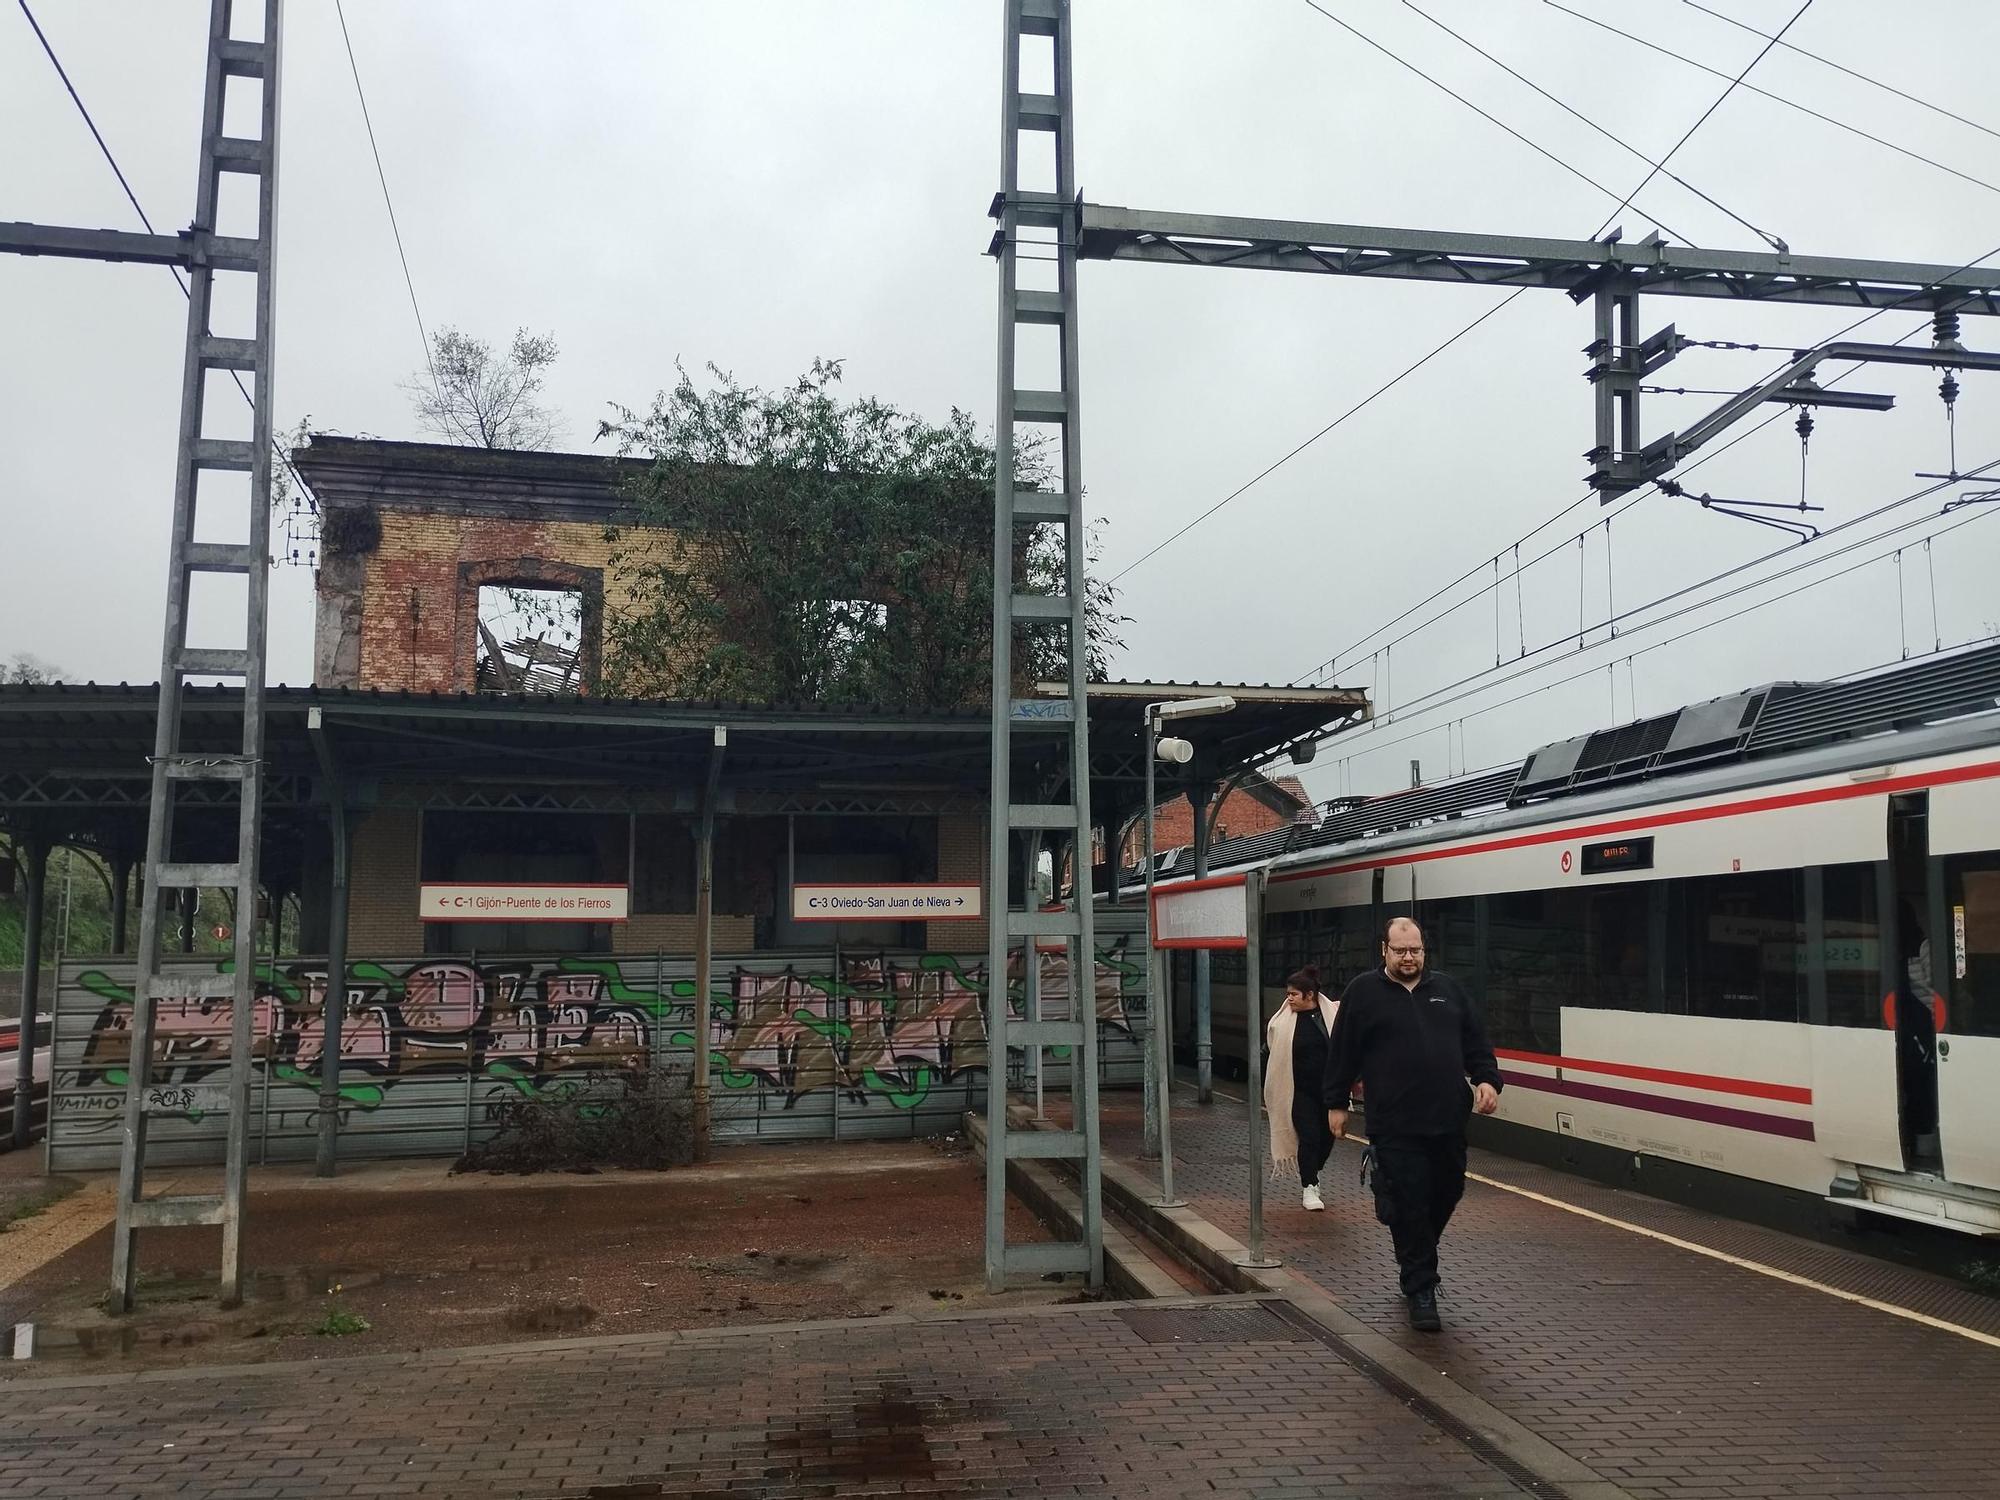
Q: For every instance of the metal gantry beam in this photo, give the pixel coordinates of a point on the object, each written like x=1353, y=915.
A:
x=1607, y=272
x=1502, y=260
x=1044, y=225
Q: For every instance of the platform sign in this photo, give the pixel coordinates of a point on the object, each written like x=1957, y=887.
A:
x=1201, y=914
x=531, y=901
x=890, y=902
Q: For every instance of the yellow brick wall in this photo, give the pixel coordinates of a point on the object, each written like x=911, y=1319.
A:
x=415, y=630
x=673, y=934
x=382, y=910
x=961, y=858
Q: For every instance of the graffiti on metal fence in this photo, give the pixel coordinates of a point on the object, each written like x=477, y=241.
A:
x=877, y=1028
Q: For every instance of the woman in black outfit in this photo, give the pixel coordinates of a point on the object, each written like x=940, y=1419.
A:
x=1296, y=1040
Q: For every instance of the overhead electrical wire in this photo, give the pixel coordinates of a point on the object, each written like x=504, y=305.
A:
x=1778, y=98
x=1533, y=145
x=1331, y=664
x=1390, y=384
x=1418, y=364
x=1889, y=88
x=1734, y=84
x=1381, y=390
x=382, y=177
x=1620, y=142
x=1437, y=697
x=1693, y=630
x=139, y=209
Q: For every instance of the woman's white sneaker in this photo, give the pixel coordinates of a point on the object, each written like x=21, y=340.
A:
x=1313, y=1201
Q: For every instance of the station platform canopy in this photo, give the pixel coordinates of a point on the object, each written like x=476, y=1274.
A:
x=74, y=757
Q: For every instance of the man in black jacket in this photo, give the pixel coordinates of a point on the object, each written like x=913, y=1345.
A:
x=1412, y=1039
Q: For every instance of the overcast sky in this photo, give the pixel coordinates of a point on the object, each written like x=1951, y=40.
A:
x=759, y=182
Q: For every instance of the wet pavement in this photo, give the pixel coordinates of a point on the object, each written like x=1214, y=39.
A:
x=1163, y=1400
x=1674, y=1369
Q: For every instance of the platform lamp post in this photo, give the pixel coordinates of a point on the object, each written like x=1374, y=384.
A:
x=1159, y=1052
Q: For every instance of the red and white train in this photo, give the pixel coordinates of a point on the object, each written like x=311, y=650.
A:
x=1748, y=951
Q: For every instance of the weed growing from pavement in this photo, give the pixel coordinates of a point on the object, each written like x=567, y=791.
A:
x=37, y=1203
x=639, y=1119
x=1983, y=1276
x=339, y=1323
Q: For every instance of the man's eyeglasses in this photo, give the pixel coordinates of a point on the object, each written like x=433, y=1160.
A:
x=1416, y=952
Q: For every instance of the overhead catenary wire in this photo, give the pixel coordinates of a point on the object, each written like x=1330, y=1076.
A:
x=138, y=208
x=1874, y=82
x=1721, y=99
x=1778, y=98
x=1676, y=638
x=1533, y=145
x=1450, y=692
x=1624, y=145
x=1395, y=380
x=1331, y=664
x=382, y=177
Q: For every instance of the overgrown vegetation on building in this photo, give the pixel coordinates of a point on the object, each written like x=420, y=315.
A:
x=831, y=550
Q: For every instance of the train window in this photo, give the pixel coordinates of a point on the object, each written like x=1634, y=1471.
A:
x=1618, y=958
x=1741, y=953
x=1535, y=946
x=1972, y=907
x=1852, y=950
x=1449, y=938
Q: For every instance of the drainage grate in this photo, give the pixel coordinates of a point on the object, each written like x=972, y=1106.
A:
x=1240, y=1323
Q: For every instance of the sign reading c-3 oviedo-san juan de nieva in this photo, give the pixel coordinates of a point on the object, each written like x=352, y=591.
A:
x=892, y=902
x=533, y=901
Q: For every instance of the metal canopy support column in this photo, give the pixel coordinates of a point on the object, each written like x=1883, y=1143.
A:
x=1047, y=225
x=704, y=938
x=121, y=890
x=1202, y=798
x=34, y=851
x=333, y=1004
x=208, y=351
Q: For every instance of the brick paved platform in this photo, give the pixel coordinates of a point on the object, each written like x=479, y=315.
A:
x=1229, y=1397
x=1669, y=1373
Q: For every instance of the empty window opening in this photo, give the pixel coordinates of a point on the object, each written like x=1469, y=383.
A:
x=530, y=639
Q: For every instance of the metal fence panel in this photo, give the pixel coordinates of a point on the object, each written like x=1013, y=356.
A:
x=868, y=1045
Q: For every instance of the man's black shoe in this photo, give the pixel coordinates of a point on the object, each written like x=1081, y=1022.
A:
x=1424, y=1312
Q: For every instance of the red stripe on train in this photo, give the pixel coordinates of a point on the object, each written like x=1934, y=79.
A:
x=1783, y=1093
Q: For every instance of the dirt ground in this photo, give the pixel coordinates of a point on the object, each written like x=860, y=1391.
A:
x=428, y=1260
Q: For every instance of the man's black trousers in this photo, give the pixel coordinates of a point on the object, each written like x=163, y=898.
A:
x=1418, y=1182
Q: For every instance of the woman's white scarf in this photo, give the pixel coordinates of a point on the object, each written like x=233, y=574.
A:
x=1278, y=1082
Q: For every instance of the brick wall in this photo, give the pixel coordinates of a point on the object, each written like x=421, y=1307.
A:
x=382, y=910
x=673, y=934
x=1241, y=815
x=419, y=605
x=962, y=858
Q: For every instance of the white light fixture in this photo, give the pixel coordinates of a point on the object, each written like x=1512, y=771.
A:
x=1189, y=708
x=1180, y=752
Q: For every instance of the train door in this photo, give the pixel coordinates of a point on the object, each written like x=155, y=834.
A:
x=1910, y=1001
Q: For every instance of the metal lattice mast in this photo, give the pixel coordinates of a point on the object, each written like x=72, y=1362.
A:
x=1040, y=28
x=164, y=877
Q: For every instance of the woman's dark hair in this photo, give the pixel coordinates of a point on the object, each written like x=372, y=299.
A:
x=1305, y=981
